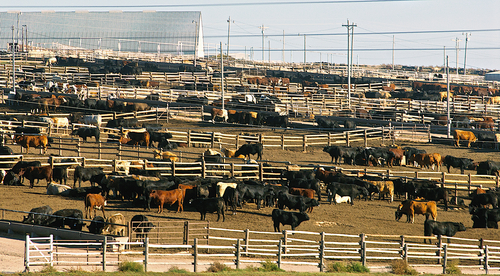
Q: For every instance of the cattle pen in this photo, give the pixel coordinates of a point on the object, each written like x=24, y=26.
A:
x=239, y=248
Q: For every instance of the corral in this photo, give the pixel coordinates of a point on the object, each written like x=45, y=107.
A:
x=299, y=144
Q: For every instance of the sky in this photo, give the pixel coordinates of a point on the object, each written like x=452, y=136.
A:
x=421, y=32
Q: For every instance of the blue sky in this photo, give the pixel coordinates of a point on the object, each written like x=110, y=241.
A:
x=421, y=29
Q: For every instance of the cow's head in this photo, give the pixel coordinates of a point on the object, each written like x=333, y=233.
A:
x=314, y=202
x=302, y=216
x=460, y=226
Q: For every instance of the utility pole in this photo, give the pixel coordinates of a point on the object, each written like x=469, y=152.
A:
x=263, y=28
x=465, y=54
x=195, y=43
x=222, y=75
x=349, y=59
x=228, y=33
x=269, y=51
x=13, y=62
x=448, y=122
x=393, y=44
x=457, y=48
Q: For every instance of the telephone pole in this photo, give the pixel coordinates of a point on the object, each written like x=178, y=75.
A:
x=457, y=48
x=263, y=28
x=465, y=54
x=349, y=58
x=228, y=33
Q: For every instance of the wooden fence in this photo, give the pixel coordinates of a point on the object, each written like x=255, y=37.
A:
x=283, y=248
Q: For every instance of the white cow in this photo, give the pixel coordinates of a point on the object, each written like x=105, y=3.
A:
x=95, y=120
x=55, y=189
x=221, y=187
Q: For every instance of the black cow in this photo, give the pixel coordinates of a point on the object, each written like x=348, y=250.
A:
x=449, y=229
x=230, y=197
x=26, y=130
x=160, y=137
x=248, y=149
x=11, y=179
x=85, y=132
x=38, y=215
x=456, y=162
x=276, y=121
x=70, y=217
x=4, y=150
x=479, y=200
x=434, y=194
x=325, y=122
x=97, y=225
x=344, y=179
x=349, y=124
x=485, y=218
x=257, y=193
x=296, y=202
x=60, y=173
x=209, y=205
x=401, y=188
x=122, y=123
x=382, y=155
x=488, y=168
x=24, y=164
x=141, y=226
x=351, y=190
x=293, y=219
x=339, y=152
x=409, y=151
x=85, y=174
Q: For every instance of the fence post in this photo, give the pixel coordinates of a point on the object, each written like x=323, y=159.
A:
x=238, y=253
x=285, y=238
x=186, y=232
x=283, y=142
x=237, y=141
x=232, y=170
x=173, y=168
x=51, y=250
x=329, y=138
x=189, y=138
x=27, y=254
x=347, y=135
x=195, y=255
x=203, y=168
x=280, y=248
x=440, y=245
x=157, y=114
x=60, y=148
x=304, y=143
x=405, y=252
x=486, y=266
x=322, y=253
x=481, y=242
x=445, y=258
x=77, y=148
x=104, y=245
x=362, y=249
x=366, y=138
x=146, y=253
x=247, y=239
x=212, y=142
x=261, y=172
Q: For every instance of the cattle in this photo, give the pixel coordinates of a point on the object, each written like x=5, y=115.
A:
x=276, y=121
x=115, y=123
x=349, y=124
x=382, y=155
x=448, y=229
x=230, y=153
x=386, y=187
x=134, y=107
x=313, y=184
x=93, y=202
x=97, y=225
x=309, y=193
x=32, y=173
x=141, y=226
x=410, y=151
x=434, y=194
x=70, y=217
x=168, y=197
x=486, y=123
x=444, y=95
x=488, y=168
x=480, y=200
x=324, y=175
x=85, y=132
x=60, y=173
x=219, y=113
x=11, y=179
x=85, y=174
x=494, y=100
x=95, y=120
x=230, y=197
x=485, y=218
x=26, y=130
x=222, y=186
x=464, y=135
x=248, y=149
x=56, y=189
x=339, y=152
x=325, y=122
x=115, y=225
x=24, y=164
x=27, y=141
x=294, y=219
x=38, y=215
x=139, y=138
x=166, y=155
x=399, y=155
x=340, y=189
x=411, y=208
x=296, y=202
x=58, y=122
x=457, y=162
x=160, y=137
x=257, y=193
x=209, y=205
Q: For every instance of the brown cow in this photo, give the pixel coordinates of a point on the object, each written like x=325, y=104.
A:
x=433, y=159
x=93, y=202
x=324, y=175
x=222, y=113
x=303, y=192
x=464, y=135
x=31, y=173
x=138, y=138
x=169, y=197
x=494, y=100
x=45, y=103
x=413, y=207
x=487, y=123
x=398, y=156
x=190, y=192
x=165, y=155
x=27, y=141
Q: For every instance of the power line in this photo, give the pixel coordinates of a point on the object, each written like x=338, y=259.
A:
x=205, y=4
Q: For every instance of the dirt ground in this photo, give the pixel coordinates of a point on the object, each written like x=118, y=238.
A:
x=370, y=217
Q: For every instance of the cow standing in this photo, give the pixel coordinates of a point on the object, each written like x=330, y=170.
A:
x=93, y=202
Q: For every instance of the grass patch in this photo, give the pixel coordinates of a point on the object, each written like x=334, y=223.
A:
x=452, y=268
x=48, y=269
x=218, y=267
x=336, y=267
x=130, y=267
x=175, y=269
x=269, y=266
x=401, y=267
